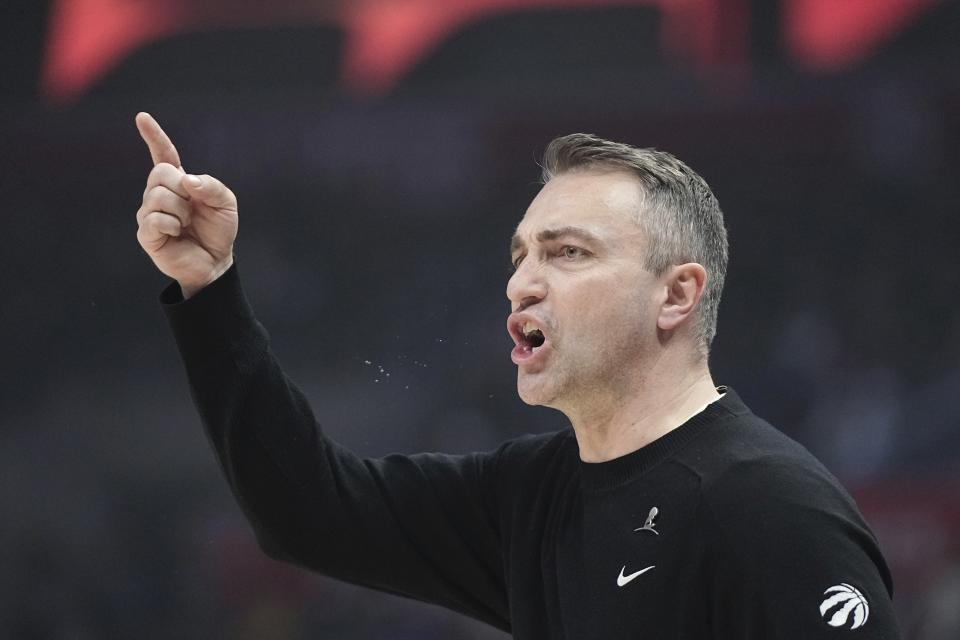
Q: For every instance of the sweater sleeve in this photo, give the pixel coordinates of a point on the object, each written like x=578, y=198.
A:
x=422, y=526
x=791, y=557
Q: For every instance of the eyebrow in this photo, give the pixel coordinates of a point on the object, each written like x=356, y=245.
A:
x=552, y=234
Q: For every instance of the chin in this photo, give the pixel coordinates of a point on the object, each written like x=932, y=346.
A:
x=528, y=399
x=533, y=391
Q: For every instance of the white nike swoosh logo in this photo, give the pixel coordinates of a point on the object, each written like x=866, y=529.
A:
x=622, y=579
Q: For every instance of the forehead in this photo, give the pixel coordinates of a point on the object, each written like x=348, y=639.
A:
x=604, y=203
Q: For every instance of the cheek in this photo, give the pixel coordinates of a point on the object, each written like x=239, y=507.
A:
x=607, y=317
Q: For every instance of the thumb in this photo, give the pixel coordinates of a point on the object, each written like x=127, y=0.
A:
x=209, y=191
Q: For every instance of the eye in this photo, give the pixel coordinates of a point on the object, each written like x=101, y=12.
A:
x=516, y=261
x=572, y=253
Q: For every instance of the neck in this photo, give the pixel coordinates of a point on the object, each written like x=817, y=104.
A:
x=653, y=404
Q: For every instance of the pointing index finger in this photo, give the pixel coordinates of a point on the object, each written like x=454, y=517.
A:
x=161, y=148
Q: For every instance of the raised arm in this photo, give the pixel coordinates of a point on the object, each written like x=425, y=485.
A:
x=424, y=526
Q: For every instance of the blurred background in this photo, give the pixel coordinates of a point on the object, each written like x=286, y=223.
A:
x=382, y=152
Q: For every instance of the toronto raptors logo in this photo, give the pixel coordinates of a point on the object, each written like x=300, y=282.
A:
x=845, y=600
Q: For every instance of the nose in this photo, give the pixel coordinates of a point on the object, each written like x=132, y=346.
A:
x=526, y=286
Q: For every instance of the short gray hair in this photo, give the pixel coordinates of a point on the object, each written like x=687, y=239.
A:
x=681, y=217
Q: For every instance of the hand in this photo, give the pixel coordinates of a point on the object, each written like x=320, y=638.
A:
x=187, y=224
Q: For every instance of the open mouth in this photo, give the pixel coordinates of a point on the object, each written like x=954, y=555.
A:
x=528, y=337
x=532, y=336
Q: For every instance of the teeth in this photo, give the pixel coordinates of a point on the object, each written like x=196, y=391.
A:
x=528, y=327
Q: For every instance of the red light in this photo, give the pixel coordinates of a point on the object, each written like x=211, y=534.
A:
x=384, y=38
x=836, y=34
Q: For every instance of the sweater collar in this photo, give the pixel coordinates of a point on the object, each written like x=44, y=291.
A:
x=603, y=475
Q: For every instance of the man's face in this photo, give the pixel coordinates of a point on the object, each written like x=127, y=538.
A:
x=580, y=280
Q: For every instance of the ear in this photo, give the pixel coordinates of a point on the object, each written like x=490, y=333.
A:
x=684, y=287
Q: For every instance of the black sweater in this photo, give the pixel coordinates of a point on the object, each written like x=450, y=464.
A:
x=723, y=528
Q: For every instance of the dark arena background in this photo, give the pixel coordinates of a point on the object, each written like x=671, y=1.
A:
x=382, y=152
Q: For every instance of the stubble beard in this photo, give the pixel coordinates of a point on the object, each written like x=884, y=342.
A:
x=568, y=384
x=593, y=379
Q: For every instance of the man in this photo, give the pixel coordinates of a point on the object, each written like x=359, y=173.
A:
x=669, y=510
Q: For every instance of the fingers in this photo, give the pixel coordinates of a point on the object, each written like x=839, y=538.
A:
x=160, y=145
x=209, y=191
x=156, y=228
x=166, y=175
x=161, y=199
